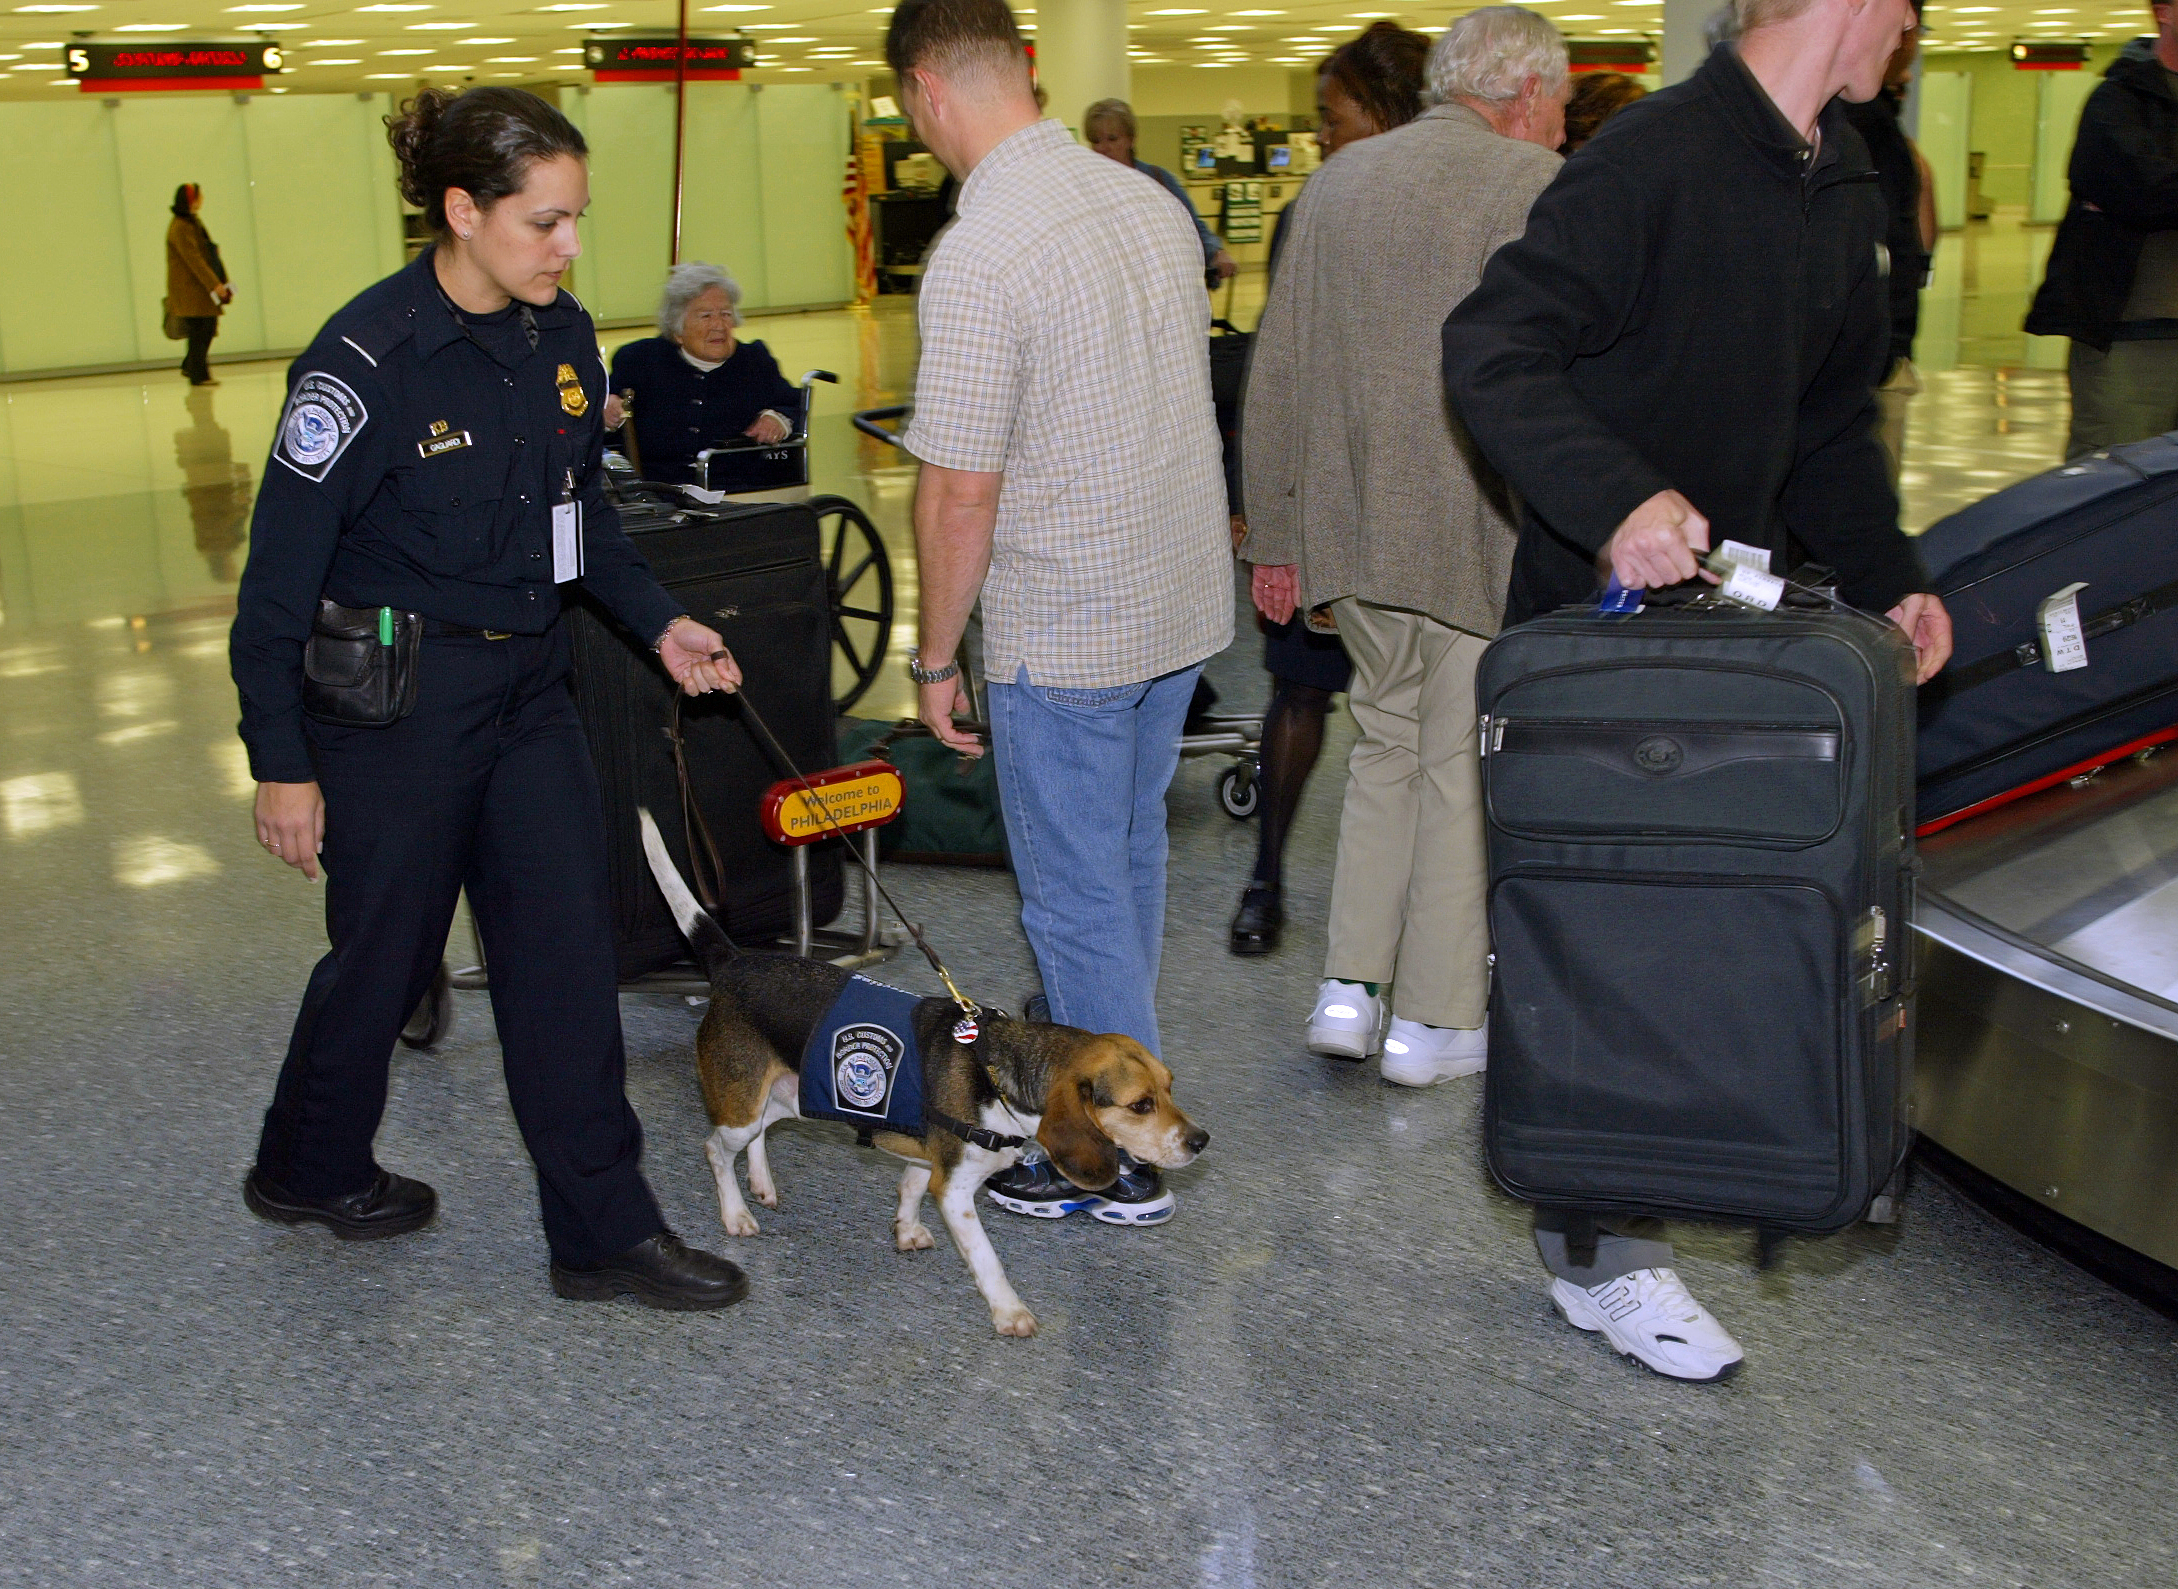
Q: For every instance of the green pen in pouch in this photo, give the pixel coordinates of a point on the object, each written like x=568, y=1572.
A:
x=359, y=666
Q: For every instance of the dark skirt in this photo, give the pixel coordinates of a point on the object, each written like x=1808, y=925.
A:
x=1299, y=655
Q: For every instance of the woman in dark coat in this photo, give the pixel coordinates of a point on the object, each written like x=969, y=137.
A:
x=694, y=385
x=196, y=281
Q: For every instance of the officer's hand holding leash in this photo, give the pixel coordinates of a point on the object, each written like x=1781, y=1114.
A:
x=697, y=658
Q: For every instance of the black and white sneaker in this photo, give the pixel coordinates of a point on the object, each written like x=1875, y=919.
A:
x=1038, y=1190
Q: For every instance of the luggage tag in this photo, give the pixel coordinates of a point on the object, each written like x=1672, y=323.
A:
x=1741, y=552
x=567, y=536
x=2064, y=643
x=1748, y=585
x=1617, y=601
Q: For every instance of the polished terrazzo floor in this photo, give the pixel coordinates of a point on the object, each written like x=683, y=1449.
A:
x=1335, y=1367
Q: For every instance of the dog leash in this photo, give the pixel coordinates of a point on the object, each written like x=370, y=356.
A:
x=965, y=1030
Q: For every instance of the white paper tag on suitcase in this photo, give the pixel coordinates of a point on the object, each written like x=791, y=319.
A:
x=2064, y=647
x=566, y=542
x=1746, y=556
x=1752, y=587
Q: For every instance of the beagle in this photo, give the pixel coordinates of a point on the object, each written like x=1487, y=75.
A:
x=1082, y=1096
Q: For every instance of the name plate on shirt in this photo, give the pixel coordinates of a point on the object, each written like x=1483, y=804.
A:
x=432, y=446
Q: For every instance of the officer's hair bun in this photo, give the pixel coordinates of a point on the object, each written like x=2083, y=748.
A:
x=481, y=140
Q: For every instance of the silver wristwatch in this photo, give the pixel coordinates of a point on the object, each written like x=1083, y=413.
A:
x=923, y=675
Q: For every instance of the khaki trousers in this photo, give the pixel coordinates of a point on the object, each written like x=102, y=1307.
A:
x=1892, y=399
x=2127, y=394
x=1408, y=899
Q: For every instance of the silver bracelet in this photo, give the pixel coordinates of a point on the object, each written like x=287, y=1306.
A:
x=923, y=675
x=659, y=643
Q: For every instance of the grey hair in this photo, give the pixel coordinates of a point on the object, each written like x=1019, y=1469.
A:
x=1722, y=26
x=1489, y=53
x=684, y=284
x=1108, y=110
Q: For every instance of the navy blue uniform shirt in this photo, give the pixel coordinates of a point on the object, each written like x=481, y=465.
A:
x=416, y=466
x=679, y=410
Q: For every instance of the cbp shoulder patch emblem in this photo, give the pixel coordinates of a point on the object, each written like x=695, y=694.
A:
x=323, y=416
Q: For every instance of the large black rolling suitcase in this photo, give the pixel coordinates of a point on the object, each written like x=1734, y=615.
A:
x=1700, y=825
x=1998, y=721
x=754, y=573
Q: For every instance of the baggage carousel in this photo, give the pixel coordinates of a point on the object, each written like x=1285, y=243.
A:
x=2048, y=1048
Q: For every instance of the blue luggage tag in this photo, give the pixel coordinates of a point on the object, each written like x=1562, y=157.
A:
x=1617, y=601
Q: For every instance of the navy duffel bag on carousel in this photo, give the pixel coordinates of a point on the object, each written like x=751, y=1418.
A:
x=2063, y=591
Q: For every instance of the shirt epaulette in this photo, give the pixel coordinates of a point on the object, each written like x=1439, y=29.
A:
x=380, y=335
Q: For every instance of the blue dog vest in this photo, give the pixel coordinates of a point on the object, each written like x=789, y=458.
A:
x=862, y=1066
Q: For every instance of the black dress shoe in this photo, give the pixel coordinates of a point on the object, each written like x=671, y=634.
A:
x=1256, y=923
x=392, y=1205
x=663, y=1272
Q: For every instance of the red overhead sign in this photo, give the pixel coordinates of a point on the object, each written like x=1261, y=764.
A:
x=151, y=68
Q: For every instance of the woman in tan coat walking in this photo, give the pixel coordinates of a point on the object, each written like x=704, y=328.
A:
x=196, y=282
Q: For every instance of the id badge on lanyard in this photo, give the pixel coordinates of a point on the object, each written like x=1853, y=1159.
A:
x=567, y=535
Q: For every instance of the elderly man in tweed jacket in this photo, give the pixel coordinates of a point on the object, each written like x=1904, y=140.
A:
x=1364, y=495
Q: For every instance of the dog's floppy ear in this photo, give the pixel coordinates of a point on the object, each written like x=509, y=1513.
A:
x=1070, y=1134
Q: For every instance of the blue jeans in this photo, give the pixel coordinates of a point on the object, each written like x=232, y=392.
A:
x=1082, y=776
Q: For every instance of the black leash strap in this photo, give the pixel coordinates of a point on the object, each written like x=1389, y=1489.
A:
x=981, y=1136
x=709, y=873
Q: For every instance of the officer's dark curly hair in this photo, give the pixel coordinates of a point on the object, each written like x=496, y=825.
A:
x=1384, y=71
x=481, y=140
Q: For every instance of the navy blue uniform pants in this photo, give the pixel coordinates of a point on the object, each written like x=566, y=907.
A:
x=487, y=785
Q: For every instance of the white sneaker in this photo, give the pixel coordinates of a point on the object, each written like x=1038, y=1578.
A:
x=1348, y=1021
x=1649, y=1315
x=1421, y=1056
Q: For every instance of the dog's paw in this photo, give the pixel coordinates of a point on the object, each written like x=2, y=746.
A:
x=1013, y=1321
x=765, y=1193
x=912, y=1238
x=738, y=1222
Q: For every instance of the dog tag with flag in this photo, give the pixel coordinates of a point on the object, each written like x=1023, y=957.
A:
x=965, y=1030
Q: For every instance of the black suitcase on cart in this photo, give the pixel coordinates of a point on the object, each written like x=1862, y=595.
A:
x=1997, y=722
x=754, y=573
x=1700, y=826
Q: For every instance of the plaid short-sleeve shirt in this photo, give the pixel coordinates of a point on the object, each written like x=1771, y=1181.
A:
x=1065, y=345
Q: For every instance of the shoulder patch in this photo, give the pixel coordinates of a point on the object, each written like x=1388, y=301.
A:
x=323, y=416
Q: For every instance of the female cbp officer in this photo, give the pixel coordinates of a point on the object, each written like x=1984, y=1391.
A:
x=439, y=455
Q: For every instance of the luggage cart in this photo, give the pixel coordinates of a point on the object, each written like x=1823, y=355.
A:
x=858, y=572
x=1239, y=736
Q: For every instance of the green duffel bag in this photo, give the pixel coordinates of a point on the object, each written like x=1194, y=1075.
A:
x=950, y=816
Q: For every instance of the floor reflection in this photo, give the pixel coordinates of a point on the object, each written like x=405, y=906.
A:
x=216, y=487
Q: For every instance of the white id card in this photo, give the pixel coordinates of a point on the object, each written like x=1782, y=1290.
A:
x=2064, y=643
x=566, y=542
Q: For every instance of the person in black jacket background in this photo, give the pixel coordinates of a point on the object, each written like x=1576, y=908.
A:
x=1685, y=342
x=2112, y=280
x=695, y=385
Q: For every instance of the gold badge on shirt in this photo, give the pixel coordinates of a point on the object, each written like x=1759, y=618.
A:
x=573, y=398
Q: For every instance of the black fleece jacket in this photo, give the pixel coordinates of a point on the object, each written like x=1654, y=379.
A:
x=2124, y=176
x=1697, y=305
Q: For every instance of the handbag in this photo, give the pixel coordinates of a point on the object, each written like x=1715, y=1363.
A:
x=176, y=329
x=359, y=665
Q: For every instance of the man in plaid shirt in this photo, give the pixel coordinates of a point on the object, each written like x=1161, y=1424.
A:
x=1071, y=476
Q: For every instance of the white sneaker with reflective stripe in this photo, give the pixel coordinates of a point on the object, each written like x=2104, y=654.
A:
x=1421, y=1056
x=1648, y=1315
x=1348, y=1021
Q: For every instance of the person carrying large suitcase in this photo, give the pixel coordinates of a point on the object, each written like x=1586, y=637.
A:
x=1693, y=811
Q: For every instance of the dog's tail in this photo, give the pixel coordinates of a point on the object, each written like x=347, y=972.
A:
x=713, y=948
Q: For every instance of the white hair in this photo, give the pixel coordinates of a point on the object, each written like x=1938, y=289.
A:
x=684, y=284
x=1489, y=53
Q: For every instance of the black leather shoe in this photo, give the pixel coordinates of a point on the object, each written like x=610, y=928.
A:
x=1255, y=925
x=392, y=1205
x=663, y=1272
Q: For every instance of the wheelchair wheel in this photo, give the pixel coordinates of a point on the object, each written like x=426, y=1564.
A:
x=858, y=578
x=1238, y=791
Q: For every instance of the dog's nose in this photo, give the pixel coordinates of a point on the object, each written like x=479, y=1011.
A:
x=1197, y=1140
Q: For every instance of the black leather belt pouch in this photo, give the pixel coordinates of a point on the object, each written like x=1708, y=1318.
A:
x=352, y=676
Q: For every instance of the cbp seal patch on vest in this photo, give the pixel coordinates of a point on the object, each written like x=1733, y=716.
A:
x=864, y=1058
x=323, y=416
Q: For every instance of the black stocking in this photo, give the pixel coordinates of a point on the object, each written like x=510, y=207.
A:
x=1292, y=740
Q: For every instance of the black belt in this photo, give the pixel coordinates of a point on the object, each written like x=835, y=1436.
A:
x=439, y=630
x=2111, y=619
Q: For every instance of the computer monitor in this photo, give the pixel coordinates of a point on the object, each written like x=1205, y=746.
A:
x=1206, y=158
x=1281, y=157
